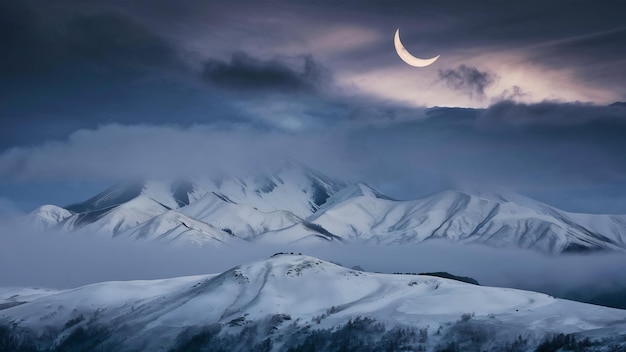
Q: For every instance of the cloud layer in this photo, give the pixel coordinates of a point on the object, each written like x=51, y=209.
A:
x=468, y=80
x=547, y=147
x=66, y=261
x=245, y=73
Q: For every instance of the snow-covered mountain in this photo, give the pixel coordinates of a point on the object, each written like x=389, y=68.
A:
x=47, y=216
x=174, y=227
x=299, y=302
x=241, y=220
x=294, y=204
x=292, y=187
x=497, y=220
x=264, y=201
x=123, y=206
x=115, y=219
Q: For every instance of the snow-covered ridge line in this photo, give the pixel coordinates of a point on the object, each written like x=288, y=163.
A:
x=298, y=205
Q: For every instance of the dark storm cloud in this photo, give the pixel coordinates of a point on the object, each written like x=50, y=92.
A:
x=246, y=73
x=602, y=121
x=493, y=23
x=113, y=39
x=70, y=68
x=525, y=147
x=35, y=42
x=468, y=80
x=22, y=37
x=64, y=70
x=72, y=64
x=590, y=36
x=511, y=94
x=586, y=39
x=596, y=58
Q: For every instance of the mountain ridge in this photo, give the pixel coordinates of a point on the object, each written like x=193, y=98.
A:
x=296, y=204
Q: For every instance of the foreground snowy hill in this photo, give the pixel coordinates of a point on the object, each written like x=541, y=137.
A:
x=295, y=204
x=303, y=303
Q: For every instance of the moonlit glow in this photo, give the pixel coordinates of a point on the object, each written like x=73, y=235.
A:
x=407, y=57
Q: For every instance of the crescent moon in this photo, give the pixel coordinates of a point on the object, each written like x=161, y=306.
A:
x=407, y=57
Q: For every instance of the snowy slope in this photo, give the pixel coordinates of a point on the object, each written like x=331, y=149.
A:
x=265, y=201
x=240, y=219
x=611, y=228
x=463, y=217
x=116, y=219
x=174, y=227
x=297, y=294
x=47, y=216
x=14, y=296
x=167, y=194
x=124, y=206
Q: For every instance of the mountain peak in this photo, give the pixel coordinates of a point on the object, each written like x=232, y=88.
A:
x=368, y=191
x=113, y=196
x=290, y=186
x=54, y=212
x=290, y=265
x=47, y=216
x=171, y=195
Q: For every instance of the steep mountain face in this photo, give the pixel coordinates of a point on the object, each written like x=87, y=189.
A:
x=109, y=198
x=170, y=195
x=270, y=303
x=124, y=206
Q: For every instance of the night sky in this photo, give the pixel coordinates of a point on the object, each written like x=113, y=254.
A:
x=525, y=95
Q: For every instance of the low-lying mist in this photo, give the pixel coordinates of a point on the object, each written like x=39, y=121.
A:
x=54, y=260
